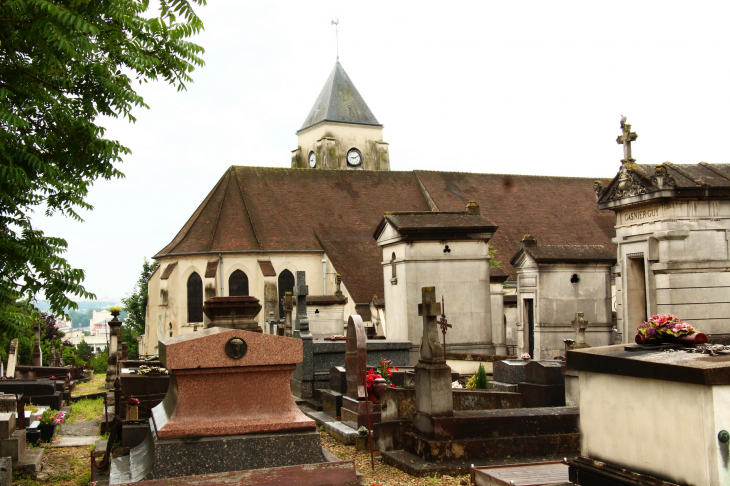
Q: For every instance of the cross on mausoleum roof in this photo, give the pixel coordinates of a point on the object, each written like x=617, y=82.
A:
x=626, y=138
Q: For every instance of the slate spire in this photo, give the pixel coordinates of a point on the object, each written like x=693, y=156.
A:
x=339, y=101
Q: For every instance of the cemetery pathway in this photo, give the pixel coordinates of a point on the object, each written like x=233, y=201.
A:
x=75, y=434
x=384, y=474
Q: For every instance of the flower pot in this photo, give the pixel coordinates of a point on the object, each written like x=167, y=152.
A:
x=132, y=412
x=47, y=431
x=378, y=387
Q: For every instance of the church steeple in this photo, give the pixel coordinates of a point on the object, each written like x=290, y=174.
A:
x=340, y=131
x=339, y=101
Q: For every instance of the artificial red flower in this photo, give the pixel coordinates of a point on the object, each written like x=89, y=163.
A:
x=392, y=385
x=395, y=368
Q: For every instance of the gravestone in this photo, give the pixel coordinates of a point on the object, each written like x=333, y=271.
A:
x=288, y=304
x=115, y=331
x=355, y=408
x=303, y=379
x=433, y=375
x=12, y=359
x=355, y=358
x=254, y=423
x=544, y=384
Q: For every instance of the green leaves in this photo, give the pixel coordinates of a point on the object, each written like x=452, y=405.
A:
x=64, y=63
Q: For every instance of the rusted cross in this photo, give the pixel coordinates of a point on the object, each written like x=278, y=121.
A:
x=443, y=322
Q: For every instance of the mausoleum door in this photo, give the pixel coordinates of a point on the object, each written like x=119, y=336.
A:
x=636, y=311
x=530, y=321
x=286, y=284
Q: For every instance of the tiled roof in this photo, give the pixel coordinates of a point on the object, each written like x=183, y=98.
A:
x=254, y=209
x=569, y=253
x=339, y=101
x=437, y=222
x=637, y=183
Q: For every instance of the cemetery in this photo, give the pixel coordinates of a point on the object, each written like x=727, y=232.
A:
x=339, y=323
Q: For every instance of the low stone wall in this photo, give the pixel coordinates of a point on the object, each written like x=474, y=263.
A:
x=468, y=363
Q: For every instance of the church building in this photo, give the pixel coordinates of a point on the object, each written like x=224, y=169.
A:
x=350, y=222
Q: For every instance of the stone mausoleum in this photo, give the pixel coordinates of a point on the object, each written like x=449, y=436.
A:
x=672, y=231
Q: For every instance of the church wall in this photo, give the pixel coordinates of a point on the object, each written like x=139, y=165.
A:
x=167, y=302
x=682, y=248
x=461, y=276
x=331, y=141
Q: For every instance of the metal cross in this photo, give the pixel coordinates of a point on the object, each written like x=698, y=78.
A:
x=337, y=37
x=443, y=322
x=626, y=138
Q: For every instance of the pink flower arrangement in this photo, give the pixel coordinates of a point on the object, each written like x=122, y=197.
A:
x=133, y=401
x=665, y=324
x=526, y=356
x=52, y=417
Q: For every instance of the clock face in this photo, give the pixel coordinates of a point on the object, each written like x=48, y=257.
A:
x=354, y=158
x=312, y=160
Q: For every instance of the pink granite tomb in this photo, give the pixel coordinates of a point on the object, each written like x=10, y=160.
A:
x=229, y=382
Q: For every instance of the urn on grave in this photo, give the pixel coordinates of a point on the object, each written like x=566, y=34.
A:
x=233, y=312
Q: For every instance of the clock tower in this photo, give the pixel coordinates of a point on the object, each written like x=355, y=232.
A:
x=340, y=132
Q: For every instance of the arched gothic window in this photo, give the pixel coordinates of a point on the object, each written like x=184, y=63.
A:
x=195, y=298
x=237, y=284
x=286, y=284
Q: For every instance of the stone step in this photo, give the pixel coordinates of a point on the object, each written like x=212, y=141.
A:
x=14, y=446
x=29, y=463
x=416, y=466
x=517, y=422
x=492, y=448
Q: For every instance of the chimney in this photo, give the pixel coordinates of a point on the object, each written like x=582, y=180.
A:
x=472, y=208
x=528, y=240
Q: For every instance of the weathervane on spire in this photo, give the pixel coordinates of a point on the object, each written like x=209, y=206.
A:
x=337, y=37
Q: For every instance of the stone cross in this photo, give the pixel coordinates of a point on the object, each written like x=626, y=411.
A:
x=431, y=350
x=301, y=290
x=355, y=357
x=580, y=325
x=625, y=139
x=52, y=360
x=37, y=354
x=338, y=282
x=12, y=358
x=288, y=304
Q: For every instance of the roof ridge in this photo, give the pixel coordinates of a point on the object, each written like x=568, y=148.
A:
x=248, y=213
x=220, y=209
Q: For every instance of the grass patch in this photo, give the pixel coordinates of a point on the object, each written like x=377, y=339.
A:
x=86, y=410
x=95, y=385
x=67, y=466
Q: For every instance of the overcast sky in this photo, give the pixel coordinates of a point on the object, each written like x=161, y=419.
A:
x=503, y=87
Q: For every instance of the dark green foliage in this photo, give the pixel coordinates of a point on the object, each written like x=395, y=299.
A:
x=63, y=65
x=84, y=351
x=136, y=306
x=99, y=361
x=481, y=378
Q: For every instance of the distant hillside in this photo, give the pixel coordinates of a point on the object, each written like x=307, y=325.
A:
x=44, y=305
